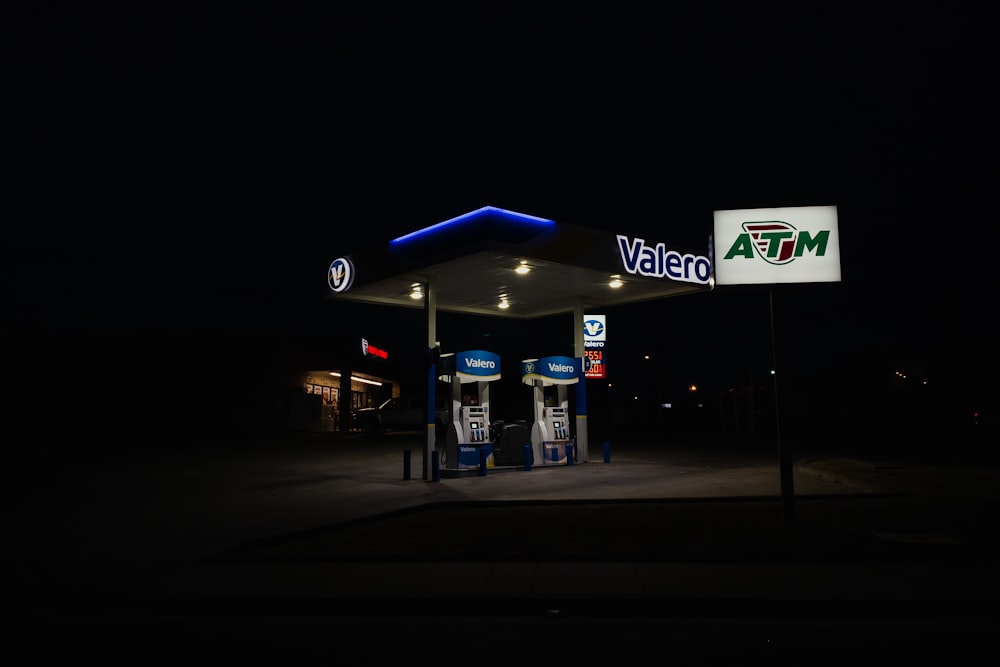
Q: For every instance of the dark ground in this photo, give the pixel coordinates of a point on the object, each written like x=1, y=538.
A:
x=316, y=546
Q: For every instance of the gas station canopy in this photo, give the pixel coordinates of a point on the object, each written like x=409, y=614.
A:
x=499, y=263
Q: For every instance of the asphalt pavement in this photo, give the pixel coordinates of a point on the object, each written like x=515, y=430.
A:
x=286, y=544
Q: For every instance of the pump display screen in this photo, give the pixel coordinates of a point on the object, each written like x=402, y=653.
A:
x=473, y=424
x=557, y=424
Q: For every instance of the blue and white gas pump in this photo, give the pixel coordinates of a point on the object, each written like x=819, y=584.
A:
x=468, y=375
x=550, y=432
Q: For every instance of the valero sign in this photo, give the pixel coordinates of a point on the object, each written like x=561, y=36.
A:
x=655, y=261
x=340, y=275
x=777, y=245
x=551, y=370
x=477, y=366
x=595, y=335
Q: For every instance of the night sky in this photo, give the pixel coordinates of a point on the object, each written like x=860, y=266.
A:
x=178, y=171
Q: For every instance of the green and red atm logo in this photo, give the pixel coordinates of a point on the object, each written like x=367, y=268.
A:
x=777, y=242
x=776, y=245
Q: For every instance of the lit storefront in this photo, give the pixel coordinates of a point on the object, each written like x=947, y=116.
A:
x=358, y=374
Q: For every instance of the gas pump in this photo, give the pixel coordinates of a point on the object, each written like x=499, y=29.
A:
x=550, y=432
x=469, y=375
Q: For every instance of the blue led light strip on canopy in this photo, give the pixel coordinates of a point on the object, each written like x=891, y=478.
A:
x=473, y=215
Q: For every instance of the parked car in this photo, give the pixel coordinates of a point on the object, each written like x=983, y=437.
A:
x=403, y=413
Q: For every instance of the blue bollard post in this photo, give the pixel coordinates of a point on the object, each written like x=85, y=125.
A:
x=435, y=466
x=607, y=452
x=406, y=463
x=527, y=457
x=482, y=462
x=569, y=453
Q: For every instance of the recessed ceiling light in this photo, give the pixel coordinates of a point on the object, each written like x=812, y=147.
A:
x=523, y=267
x=616, y=281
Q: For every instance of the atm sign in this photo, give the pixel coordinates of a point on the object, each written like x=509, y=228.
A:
x=593, y=364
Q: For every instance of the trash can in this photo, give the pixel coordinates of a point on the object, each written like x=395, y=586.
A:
x=509, y=449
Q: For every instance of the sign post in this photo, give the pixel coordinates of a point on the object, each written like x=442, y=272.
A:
x=772, y=246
